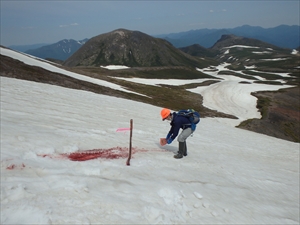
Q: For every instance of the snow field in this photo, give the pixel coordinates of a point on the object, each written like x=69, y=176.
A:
x=229, y=176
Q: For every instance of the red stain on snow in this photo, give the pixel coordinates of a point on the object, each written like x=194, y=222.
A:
x=104, y=153
x=110, y=153
x=13, y=166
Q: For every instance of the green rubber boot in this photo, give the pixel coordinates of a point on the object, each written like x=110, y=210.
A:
x=185, y=149
x=180, y=151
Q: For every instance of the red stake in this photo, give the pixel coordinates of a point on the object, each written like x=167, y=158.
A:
x=130, y=138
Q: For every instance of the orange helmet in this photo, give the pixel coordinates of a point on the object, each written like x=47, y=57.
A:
x=165, y=113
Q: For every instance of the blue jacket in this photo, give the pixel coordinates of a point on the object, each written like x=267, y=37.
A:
x=178, y=122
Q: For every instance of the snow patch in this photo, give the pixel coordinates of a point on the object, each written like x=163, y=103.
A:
x=115, y=67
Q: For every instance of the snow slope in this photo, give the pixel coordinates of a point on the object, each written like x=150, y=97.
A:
x=230, y=176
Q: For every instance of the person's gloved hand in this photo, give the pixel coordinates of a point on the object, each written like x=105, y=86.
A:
x=169, y=141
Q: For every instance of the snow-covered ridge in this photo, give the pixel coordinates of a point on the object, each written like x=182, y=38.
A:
x=263, y=52
x=115, y=67
x=277, y=59
x=240, y=46
x=294, y=52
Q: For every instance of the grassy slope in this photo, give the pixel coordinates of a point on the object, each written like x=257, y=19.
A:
x=280, y=114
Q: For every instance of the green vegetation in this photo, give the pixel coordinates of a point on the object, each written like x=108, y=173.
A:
x=226, y=72
x=263, y=104
x=268, y=82
x=173, y=97
x=267, y=76
x=236, y=67
x=162, y=73
x=289, y=130
x=245, y=123
x=290, y=61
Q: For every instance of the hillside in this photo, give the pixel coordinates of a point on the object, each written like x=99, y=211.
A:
x=280, y=114
x=130, y=48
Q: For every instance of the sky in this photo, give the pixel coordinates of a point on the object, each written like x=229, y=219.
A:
x=249, y=179
x=32, y=22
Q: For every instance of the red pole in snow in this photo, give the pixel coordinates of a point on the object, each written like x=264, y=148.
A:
x=130, y=144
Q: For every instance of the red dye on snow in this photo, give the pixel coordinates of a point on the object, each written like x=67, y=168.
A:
x=13, y=166
x=51, y=156
x=107, y=153
x=110, y=153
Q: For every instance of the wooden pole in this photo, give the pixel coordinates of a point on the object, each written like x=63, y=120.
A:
x=130, y=143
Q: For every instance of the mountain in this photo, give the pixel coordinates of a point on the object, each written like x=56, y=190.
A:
x=230, y=40
x=282, y=36
x=60, y=50
x=241, y=52
x=130, y=48
x=199, y=51
x=24, y=48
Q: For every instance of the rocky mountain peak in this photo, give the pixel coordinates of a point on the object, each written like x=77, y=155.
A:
x=130, y=48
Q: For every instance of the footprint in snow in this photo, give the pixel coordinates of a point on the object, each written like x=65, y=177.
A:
x=199, y=196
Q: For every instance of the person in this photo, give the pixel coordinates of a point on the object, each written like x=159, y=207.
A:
x=177, y=122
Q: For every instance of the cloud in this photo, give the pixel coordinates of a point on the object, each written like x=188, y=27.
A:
x=213, y=11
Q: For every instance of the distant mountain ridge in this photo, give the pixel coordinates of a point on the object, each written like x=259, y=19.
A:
x=283, y=36
x=24, y=48
x=241, y=52
x=230, y=40
x=60, y=50
x=137, y=49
